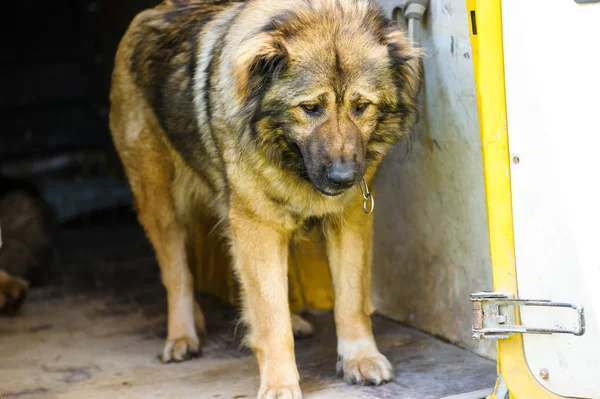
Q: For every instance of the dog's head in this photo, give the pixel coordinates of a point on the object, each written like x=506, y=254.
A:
x=331, y=86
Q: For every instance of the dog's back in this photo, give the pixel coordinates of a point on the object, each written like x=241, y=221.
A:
x=153, y=117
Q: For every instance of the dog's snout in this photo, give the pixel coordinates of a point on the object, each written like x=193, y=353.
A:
x=342, y=174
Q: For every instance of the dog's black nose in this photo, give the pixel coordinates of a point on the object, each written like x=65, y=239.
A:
x=342, y=174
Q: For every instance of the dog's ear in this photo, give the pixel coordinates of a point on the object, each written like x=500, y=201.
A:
x=258, y=62
x=407, y=61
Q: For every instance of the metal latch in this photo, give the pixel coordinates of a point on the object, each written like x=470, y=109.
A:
x=494, y=316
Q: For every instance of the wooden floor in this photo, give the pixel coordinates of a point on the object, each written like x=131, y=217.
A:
x=97, y=329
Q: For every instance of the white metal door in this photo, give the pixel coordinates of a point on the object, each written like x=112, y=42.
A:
x=552, y=65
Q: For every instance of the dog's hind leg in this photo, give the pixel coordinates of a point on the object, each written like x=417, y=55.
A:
x=152, y=182
x=301, y=327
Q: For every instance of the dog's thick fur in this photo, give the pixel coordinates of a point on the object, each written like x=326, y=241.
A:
x=234, y=110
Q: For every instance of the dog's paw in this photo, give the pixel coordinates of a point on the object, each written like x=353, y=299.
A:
x=181, y=349
x=13, y=291
x=301, y=327
x=280, y=392
x=372, y=369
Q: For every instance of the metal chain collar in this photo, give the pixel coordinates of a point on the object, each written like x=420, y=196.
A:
x=368, y=200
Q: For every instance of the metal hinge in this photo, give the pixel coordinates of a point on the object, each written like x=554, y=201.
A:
x=494, y=316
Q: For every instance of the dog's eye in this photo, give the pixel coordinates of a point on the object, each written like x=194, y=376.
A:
x=311, y=108
x=360, y=107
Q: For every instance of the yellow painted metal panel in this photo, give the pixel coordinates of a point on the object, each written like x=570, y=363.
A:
x=310, y=285
x=308, y=260
x=488, y=61
x=211, y=262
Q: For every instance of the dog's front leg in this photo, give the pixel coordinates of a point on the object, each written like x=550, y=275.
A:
x=349, y=240
x=260, y=251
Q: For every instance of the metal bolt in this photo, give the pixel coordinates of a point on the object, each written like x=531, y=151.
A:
x=544, y=374
x=516, y=159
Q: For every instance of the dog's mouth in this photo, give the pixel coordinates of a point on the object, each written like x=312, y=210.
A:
x=330, y=192
x=324, y=187
x=315, y=173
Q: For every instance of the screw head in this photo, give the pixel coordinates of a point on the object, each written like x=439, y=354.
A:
x=544, y=374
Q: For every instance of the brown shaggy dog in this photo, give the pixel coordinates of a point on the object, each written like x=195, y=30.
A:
x=267, y=115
